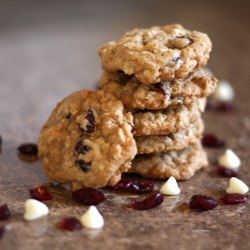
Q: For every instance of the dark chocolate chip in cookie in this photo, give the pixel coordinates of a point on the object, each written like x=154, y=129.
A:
x=80, y=148
x=85, y=166
x=91, y=121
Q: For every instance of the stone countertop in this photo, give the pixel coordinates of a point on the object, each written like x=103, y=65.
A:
x=50, y=50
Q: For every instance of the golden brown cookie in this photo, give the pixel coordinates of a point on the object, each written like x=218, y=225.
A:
x=157, y=54
x=180, y=164
x=153, y=144
x=87, y=140
x=137, y=95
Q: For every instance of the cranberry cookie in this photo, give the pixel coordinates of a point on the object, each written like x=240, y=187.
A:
x=157, y=54
x=180, y=164
x=167, y=121
x=137, y=95
x=87, y=140
x=176, y=141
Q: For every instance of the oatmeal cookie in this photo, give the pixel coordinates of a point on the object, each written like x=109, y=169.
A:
x=157, y=54
x=137, y=95
x=167, y=121
x=163, y=143
x=180, y=164
x=87, y=140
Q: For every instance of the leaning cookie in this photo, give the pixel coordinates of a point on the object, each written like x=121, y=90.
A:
x=167, y=121
x=87, y=140
x=137, y=95
x=180, y=164
x=153, y=144
x=157, y=54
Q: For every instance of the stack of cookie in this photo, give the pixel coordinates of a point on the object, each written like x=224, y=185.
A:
x=157, y=74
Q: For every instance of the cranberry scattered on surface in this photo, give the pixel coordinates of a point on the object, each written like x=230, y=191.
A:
x=91, y=121
x=40, y=193
x=212, y=141
x=2, y=231
x=134, y=186
x=4, y=212
x=234, y=198
x=148, y=203
x=202, y=202
x=88, y=196
x=226, y=107
x=226, y=172
x=29, y=149
x=69, y=224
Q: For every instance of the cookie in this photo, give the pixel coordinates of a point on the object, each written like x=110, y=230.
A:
x=180, y=164
x=176, y=141
x=167, y=121
x=87, y=140
x=157, y=54
x=137, y=95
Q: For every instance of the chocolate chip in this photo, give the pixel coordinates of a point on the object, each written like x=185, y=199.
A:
x=91, y=121
x=80, y=148
x=85, y=166
x=68, y=116
x=123, y=78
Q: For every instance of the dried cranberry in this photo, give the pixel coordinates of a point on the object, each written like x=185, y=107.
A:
x=4, y=212
x=123, y=78
x=40, y=193
x=226, y=107
x=80, y=148
x=148, y=203
x=226, y=172
x=69, y=224
x=91, y=121
x=28, y=149
x=160, y=87
x=234, y=198
x=134, y=186
x=2, y=231
x=88, y=196
x=85, y=166
x=210, y=105
x=202, y=202
x=212, y=141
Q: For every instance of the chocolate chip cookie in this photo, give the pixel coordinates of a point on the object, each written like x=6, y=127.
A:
x=137, y=95
x=180, y=164
x=176, y=141
x=87, y=140
x=157, y=54
x=167, y=121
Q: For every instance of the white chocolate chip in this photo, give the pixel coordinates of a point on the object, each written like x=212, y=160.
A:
x=92, y=218
x=236, y=186
x=224, y=91
x=230, y=160
x=34, y=209
x=170, y=187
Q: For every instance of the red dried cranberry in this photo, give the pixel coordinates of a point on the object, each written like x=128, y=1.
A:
x=88, y=196
x=80, y=148
x=202, y=202
x=134, y=186
x=210, y=105
x=226, y=172
x=40, y=193
x=212, y=141
x=234, y=198
x=4, y=212
x=85, y=166
x=2, y=231
x=28, y=149
x=69, y=224
x=148, y=203
x=226, y=107
x=91, y=121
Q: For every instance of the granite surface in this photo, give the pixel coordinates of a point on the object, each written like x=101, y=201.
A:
x=48, y=50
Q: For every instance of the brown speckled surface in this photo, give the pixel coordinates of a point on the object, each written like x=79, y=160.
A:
x=51, y=51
